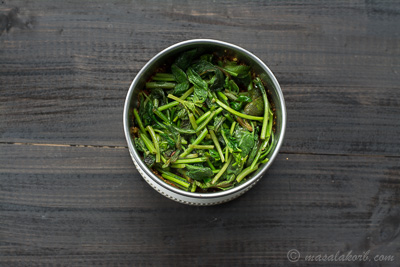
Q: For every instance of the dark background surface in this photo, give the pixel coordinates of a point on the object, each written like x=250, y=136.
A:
x=70, y=195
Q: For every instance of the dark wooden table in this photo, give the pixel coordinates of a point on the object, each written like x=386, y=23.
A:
x=70, y=195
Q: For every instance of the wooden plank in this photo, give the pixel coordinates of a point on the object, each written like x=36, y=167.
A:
x=64, y=76
x=85, y=206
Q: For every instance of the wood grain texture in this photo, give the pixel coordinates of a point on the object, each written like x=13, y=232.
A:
x=101, y=212
x=67, y=74
x=70, y=195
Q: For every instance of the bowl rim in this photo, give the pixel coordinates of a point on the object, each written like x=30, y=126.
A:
x=156, y=179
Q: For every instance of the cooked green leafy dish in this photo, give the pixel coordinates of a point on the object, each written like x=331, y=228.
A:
x=203, y=123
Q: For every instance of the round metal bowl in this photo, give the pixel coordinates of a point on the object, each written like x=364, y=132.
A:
x=167, y=56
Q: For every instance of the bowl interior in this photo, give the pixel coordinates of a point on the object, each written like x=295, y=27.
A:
x=166, y=57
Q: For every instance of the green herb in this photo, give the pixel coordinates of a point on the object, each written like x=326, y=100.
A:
x=204, y=124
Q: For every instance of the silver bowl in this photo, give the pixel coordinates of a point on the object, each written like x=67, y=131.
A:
x=166, y=56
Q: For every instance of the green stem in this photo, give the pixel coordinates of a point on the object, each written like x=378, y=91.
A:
x=155, y=142
x=168, y=106
x=226, y=140
x=178, y=166
x=230, y=95
x=258, y=83
x=233, y=127
x=162, y=74
x=176, y=99
x=228, y=116
x=265, y=160
x=184, y=131
x=158, y=131
x=192, y=156
x=179, y=181
x=210, y=164
x=147, y=143
x=193, y=189
x=193, y=121
x=264, y=154
x=201, y=146
x=223, y=169
x=204, y=123
x=269, y=128
x=223, y=98
x=163, y=85
x=219, y=110
x=187, y=93
x=186, y=161
x=262, y=147
x=138, y=120
x=203, y=117
x=231, y=110
x=246, y=172
x=217, y=145
x=175, y=103
x=196, y=142
x=165, y=77
x=160, y=115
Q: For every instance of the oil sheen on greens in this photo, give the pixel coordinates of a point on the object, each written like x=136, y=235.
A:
x=204, y=124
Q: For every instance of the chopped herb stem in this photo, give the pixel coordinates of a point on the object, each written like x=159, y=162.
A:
x=204, y=123
x=196, y=142
x=192, y=121
x=196, y=160
x=155, y=142
x=223, y=169
x=234, y=112
x=168, y=106
x=138, y=120
x=165, y=77
x=192, y=156
x=163, y=85
x=147, y=143
x=203, y=117
x=210, y=164
x=201, y=146
x=178, y=166
x=180, y=181
x=160, y=115
x=259, y=84
x=232, y=127
x=246, y=172
x=217, y=145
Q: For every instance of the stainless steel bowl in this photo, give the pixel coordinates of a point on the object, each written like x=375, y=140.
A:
x=166, y=56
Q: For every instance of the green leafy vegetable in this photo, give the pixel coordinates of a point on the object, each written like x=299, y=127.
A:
x=200, y=86
x=181, y=78
x=199, y=173
x=205, y=126
x=255, y=108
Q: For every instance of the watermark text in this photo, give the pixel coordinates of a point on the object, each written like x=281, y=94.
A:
x=294, y=255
